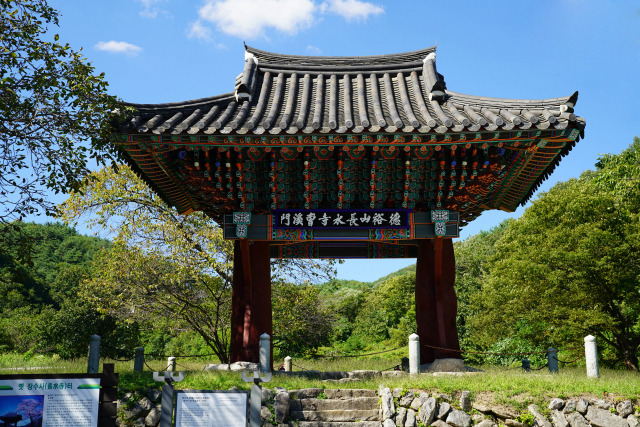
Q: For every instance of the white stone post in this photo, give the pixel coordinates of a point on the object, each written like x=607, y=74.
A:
x=288, y=364
x=591, y=355
x=265, y=353
x=414, y=354
x=93, y=365
x=171, y=364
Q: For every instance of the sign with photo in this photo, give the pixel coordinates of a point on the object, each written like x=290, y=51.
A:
x=205, y=408
x=341, y=219
x=63, y=402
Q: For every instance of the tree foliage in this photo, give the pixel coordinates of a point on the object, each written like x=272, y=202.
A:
x=54, y=111
x=570, y=266
x=163, y=264
x=472, y=256
x=388, y=311
x=344, y=298
x=300, y=318
x=40, y=309
x=139, y=286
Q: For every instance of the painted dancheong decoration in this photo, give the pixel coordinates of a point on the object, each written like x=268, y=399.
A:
x=302, y=138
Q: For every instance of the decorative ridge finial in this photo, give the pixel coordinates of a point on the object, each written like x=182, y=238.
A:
x=248, y=55
x=431, y=56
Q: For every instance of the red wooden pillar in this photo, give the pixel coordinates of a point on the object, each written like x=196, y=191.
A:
x=236, y=351
x=261, y=320
x=426, y=317
x=250, y=300
x=447, y=301
x=436, y=304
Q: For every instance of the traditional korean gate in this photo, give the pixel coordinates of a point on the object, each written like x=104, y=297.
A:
x=347, y=157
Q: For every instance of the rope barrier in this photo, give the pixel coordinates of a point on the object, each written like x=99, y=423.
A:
x=198, y=355
x=178, y=364
x=149, y=367
x=540, y=368
x=327, y=356
x=571, y=361
x=122, y=360
x=356, y=355
x=182, y=356
x=304, y=369
x=513, y=368
x=500, y=354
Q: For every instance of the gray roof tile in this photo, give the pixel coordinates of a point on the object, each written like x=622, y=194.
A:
x=291, y=94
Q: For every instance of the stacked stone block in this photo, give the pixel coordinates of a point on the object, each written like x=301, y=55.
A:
x=319, y=407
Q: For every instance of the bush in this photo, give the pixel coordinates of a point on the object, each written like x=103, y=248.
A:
x=390, y=308
x=399, y=335
x=67, y=332
x=21, y=329
x=187, y=343
x=301, y=321
x=515, y=345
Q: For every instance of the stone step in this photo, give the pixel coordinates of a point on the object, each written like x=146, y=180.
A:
x=355, y=403
x=310, y=393
x=336, y=415
x=349, y=393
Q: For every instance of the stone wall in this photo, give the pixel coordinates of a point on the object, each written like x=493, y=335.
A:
x=325, y=407
x=404, y=408
x=135, y=409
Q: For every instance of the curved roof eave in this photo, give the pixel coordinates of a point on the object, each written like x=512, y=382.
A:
x=194, y=103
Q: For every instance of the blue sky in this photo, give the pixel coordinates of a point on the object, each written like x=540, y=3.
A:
x=156, y=51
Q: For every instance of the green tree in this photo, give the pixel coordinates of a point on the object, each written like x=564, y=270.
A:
x=40, y=308
x=301, y=321
x=572, y=264
x=472, y=261
x=344, y=298
x=54, y=111
x=67, y=330
x=385, y=308
x=620, y=173
x=139, y=286
x=56, y=251
x=162, y=263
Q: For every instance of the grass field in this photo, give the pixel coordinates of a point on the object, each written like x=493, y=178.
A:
x=497, y=385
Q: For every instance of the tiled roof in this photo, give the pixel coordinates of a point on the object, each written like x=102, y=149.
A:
x=367, y=132
x=286, y=94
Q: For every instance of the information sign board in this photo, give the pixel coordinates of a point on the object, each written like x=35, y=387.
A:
x=205, y=408
x=61, y=402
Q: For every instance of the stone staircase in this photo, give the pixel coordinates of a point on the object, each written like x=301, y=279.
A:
x=334, y=408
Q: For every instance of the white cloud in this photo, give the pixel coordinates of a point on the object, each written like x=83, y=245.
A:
x=200, y=31
x=197, y=30
x=150, y=8
x=313, y=49
x=353, y=9
x=118, y=47
x=250, y=18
